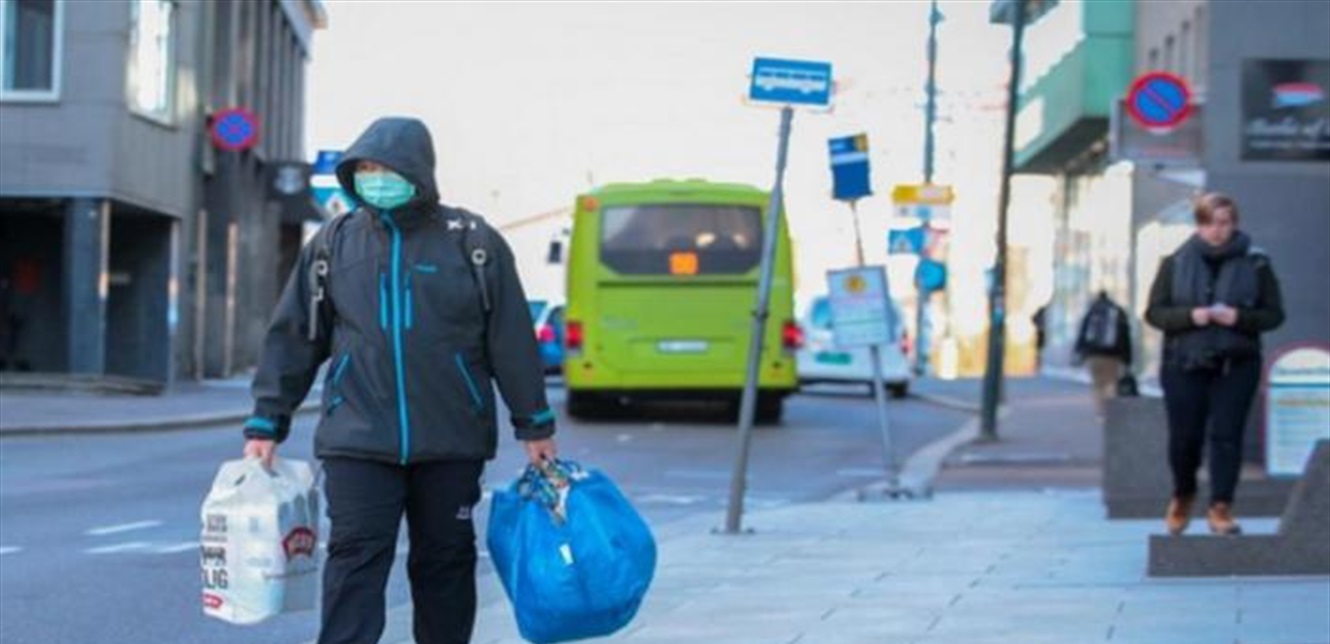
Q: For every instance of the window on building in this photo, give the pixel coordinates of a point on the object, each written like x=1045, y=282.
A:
x=152, y=46
x=1201, y=48
x=1153, y=57
x=1184, y=50
x=1170, y=53
x=30, y=51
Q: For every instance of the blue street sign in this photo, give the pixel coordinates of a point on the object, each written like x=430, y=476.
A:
x=930, y=275
x=326, y=161
x=792, y=82
x=323, y=183
x=910, y=241
x=849, y=167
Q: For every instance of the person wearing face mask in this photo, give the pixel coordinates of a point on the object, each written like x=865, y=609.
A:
x=415, y=320
x=1212, y=298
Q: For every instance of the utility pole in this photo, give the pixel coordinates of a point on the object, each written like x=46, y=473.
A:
x=997, y=306
x=921, y=340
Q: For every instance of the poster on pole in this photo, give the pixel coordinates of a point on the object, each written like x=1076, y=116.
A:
x=1297, y=407
x=860, y=306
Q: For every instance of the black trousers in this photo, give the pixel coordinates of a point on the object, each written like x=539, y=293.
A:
x=1216, y=399
x=366, y=502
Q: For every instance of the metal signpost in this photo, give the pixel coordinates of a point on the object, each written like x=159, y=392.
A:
x=929, y=204
x=786, y=83
x=860, y=299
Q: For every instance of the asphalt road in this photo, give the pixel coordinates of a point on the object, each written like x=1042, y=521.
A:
x=98, y=534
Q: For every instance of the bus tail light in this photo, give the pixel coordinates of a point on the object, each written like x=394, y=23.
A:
x=791, y=336
x=572, y=338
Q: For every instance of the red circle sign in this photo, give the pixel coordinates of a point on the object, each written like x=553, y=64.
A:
x=235, y=129
x=1159, y=100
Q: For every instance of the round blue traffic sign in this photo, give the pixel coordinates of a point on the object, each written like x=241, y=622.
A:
x=235, y=129
x=1159, y=100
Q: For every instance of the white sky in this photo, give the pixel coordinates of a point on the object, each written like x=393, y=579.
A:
x=531, y=102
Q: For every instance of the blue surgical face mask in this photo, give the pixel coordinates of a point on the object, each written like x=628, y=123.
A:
x=386, y=190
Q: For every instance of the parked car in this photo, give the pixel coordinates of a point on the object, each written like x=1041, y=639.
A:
x=820, y=360
x=548, y=321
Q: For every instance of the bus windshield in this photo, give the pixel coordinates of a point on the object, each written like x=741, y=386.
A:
x=648, y=239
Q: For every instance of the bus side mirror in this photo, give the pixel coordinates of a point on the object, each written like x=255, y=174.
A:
x=555, y=254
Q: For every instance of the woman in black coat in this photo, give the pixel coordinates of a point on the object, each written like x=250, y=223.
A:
x=1212, y=298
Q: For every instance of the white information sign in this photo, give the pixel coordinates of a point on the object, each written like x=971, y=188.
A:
x=860, y=306
x=1297, y=408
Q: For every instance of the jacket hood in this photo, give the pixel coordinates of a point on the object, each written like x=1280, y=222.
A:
x=400, y=143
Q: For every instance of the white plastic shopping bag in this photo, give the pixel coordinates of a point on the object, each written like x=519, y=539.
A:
x=259, y=548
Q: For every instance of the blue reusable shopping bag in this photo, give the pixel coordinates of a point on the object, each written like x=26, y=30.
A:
x=574, y=556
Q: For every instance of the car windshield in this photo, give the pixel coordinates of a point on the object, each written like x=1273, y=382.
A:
x=537, y=307
x=712, y=239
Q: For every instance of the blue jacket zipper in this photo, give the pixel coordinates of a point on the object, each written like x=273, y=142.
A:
x=404, y=422
x=470, y=384
x=335, y=383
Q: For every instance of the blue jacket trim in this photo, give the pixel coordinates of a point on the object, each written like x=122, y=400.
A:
x=470, y=384
x=259, y=424
x=403, y=419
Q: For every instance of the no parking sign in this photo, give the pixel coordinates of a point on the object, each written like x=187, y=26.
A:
x=1159, y=100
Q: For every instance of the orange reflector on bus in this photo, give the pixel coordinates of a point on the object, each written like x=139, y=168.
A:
x=683, y=263
x=590, y=204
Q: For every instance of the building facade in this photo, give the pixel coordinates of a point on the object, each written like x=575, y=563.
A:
x=1258, y=130
x=131, y=244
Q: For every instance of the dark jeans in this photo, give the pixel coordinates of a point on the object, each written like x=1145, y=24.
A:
x=366, y=501
x=1215, y=399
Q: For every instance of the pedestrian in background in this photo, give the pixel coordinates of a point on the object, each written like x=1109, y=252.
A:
x=1040, y=322
x=1104, y=345
x=1213, y=298
x=418, y=305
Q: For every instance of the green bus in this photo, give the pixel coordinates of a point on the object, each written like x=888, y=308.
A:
x=662, y=283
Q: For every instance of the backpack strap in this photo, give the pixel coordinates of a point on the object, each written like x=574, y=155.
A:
x=318, y=275
x=475, y=245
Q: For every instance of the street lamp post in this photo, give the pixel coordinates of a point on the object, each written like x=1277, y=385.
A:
x=921, y=340
x=997, y=306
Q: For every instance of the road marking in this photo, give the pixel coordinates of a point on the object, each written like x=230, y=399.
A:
x=623, y=438
x=9, y=550
x=183, y=546
x=119, y=547
x=124, y=527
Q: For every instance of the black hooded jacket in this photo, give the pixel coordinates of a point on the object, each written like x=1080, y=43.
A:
x=413, y=349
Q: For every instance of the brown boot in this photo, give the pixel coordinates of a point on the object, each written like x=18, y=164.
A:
x=1221, y=520
x=1178, y=515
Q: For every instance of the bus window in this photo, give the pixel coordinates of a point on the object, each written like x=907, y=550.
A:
x=641, y=240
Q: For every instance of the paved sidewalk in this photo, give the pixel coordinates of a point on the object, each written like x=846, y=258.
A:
x=964, y=568
x=1013, y=548
x=186, y=404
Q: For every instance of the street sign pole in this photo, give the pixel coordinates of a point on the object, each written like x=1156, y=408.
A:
x=879, y=394
x=921, y=339
x=747, y=406
x=997, y=305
